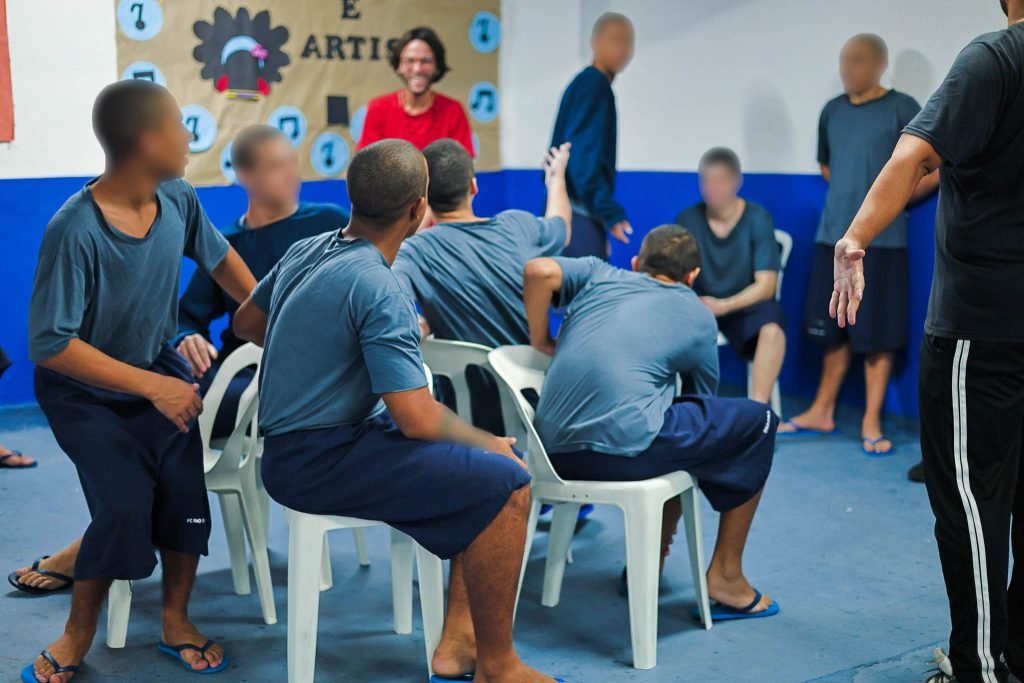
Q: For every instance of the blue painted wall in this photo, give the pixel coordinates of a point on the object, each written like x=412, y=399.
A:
x=652, y=198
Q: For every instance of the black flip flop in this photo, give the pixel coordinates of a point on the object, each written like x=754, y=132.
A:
x=7, y=456
x=12, y=579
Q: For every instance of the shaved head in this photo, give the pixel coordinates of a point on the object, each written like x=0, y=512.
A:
x=607, y=19
x=872, y=41
x=384, y=180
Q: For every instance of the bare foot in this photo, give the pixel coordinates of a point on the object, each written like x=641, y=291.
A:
x=58, y=563
x=735, y=592
x=16, y=460
x=181, y=632
x=455, y=655
x=69, y=650
x=810, y=419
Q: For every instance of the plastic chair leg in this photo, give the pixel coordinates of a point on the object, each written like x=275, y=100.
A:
x=253, y=511
x=563, y=524
x=360, y=540
x=431, y=576
x=531, y=531
x=305, y=548
x=234, y=529
x=403, y=555
x=695, y=544
x=326, y=575
x=643, y=555
x=119, y=606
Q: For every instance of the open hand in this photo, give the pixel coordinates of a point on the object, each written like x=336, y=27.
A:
x=555, y=162
x=199, y=353
x=621, y=231
x=848, y=287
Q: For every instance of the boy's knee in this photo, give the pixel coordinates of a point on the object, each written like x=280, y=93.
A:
x=519, y=500
x=772, y=333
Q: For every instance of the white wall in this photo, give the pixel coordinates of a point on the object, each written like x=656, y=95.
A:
x=62, y=53
x=752, y=74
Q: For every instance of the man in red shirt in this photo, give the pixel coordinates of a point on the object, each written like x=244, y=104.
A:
x=417, y=113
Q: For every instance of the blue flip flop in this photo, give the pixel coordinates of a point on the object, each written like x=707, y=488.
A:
x=12, y=579
x=469, y=677
x=7, y=456
x=875, y=442
x=802, y=432
x=720, y=612
x=176, y=650
x=28, y=674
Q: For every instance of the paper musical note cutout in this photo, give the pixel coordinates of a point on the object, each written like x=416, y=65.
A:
x=140, y=23
x=285, y=121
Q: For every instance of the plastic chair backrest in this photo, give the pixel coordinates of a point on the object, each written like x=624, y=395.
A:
x=785, y=241
x=243, y=357
x=449, y=359
x=519, y=368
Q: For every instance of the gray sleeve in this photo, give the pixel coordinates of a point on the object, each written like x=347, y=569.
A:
x=60, y=295
x=766, y=247
x=704, y=374
x=204, y=244
x=550, y=235
x=264, y=292
x=576, y=273
x=389, y=335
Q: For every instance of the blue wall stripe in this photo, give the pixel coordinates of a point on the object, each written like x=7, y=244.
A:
x=651, y=197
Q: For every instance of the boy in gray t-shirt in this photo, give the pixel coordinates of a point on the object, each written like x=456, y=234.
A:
x=856, y=135
x=120, y=401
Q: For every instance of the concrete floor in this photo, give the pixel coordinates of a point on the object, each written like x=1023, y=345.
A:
x=842, y=541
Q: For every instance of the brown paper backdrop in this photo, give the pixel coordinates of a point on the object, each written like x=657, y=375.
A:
x=164, y=35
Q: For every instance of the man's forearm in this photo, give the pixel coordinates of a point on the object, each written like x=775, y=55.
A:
x=558, y=202
x=892, y=190
x=250, y=323
x=88, y=364
x=234, y=277
x=537, y=294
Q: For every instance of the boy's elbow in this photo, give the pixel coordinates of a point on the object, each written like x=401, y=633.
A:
x=541, y=270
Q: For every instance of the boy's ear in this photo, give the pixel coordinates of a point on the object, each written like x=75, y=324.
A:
x=474, y=189
x=634, y=263
x=691, y=277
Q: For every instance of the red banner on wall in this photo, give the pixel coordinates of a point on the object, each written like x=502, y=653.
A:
x=6, y=98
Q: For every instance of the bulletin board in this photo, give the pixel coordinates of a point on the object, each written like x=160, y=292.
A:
x=308, y=67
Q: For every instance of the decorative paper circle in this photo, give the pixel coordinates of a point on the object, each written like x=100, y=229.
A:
x=225, y=164
x=356, y=124
x=291, y=122
x=201, y=125
x=140, y=19
x=329, y=154
x=476, y=145
x=483, y=101
x=144, y=71
x=485, y=32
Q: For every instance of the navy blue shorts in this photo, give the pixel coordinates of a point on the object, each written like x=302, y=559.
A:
x=726, y=444
x=441, y=494
x=883, y=317
x=742, y=327
x=589, y=238
x=143, y=479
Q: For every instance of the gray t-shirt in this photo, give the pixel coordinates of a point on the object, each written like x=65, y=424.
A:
x=855, y=141
x=625, y=338
x=341, y=332
x=468, y=277
x=113, y=291
x=975, y=121
x=727, y=266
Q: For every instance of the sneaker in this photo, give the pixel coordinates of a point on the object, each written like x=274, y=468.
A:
x=945, y=668
x=916, y=473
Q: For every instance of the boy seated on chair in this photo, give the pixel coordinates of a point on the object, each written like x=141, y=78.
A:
x=466, y=272
x=267, y=167
x=739, y=268
x=607, y=411
x=352, y=429
x=120, y=401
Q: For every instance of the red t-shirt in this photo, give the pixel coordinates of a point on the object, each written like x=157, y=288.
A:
x=385, y=118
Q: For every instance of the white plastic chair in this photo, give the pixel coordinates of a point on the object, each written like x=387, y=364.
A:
x=522, y=367
x=306, y=560
x=232, y=471
x=309, y=572
x=785, y=241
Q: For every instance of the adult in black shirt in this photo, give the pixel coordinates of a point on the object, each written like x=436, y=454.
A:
x=972, y=358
